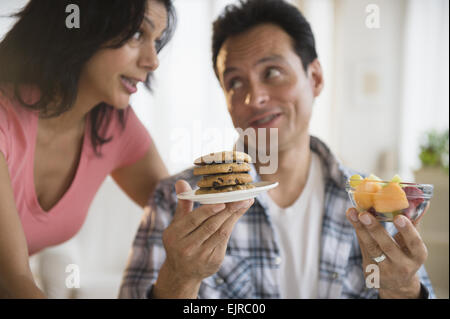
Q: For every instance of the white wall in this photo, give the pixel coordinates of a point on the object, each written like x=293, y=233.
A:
x=368, y=116
x=320, y=14
x=8, y=7
x=425, y=94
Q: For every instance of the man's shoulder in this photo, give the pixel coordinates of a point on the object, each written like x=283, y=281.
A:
x=187, y=175
x=165, y=191
x=334, y=169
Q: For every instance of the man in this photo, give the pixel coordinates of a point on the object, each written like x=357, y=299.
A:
x=299, y=240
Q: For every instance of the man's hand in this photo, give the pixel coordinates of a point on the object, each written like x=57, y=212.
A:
x=195, y=244
x=405, y=253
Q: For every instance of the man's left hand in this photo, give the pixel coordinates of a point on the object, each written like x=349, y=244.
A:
x=405, y=253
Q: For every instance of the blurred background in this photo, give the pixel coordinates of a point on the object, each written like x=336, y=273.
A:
x=384, y=109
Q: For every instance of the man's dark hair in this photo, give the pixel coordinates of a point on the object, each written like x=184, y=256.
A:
x=241, y=17
x=40, y=50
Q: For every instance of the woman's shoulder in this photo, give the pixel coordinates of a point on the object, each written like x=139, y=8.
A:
x=6, y=118
x=10, y=108
x=131, y=125
x=5, y=107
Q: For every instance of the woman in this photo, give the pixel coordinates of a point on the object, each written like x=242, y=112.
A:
x=65, y=123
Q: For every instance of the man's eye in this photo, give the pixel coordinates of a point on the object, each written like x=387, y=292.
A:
x=235, y=84
x=272, y=73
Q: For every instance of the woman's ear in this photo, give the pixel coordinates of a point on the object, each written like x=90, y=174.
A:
x=316, y=76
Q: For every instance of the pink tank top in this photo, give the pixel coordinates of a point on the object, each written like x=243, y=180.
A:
x=18, y=130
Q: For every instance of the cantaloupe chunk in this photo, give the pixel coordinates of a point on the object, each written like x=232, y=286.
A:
x=390, y=198
x=364, y=192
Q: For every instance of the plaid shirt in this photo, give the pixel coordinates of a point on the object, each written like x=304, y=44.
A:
x=251, y=263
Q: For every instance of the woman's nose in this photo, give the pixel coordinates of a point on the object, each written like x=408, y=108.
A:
x=149, y=58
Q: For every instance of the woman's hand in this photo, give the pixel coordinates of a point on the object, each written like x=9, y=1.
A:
x=405, y=253
x=195, y=244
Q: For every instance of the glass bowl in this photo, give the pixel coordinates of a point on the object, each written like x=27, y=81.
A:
x=385, y=200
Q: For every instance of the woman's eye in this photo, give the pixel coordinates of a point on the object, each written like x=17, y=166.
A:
x=272, y=73
x=158, y=44
x=138, y=35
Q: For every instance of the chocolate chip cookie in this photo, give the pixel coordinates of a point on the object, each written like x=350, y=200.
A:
x=223, y=172
x=223, y=157
x=224, y=180
x=221, y=169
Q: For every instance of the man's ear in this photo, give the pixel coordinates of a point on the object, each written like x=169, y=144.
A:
x=316, y=77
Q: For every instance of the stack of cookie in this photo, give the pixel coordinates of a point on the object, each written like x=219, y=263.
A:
x=223, y=172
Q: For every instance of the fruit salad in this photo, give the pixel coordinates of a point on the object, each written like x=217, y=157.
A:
x=387, y=199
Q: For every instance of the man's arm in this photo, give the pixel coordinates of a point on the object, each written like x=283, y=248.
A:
x=147, y=254
x=173, y=253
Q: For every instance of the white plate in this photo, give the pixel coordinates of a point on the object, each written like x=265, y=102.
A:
x=228, y=197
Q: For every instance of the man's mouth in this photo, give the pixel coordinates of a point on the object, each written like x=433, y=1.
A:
x=265, y=120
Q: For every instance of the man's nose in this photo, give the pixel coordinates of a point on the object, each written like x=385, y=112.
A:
x=149, y=58
x=257, y=96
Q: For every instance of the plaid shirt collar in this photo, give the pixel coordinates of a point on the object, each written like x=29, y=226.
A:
x=335, y=173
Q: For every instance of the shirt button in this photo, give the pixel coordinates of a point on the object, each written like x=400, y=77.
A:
x=219, y=281
x=335, y=275
x=277, y=260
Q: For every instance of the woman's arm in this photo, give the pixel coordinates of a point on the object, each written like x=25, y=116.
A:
x=140, y=179
x=16, y=279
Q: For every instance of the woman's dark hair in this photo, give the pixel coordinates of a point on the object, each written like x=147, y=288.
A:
x=40, y=50
x=238, y=18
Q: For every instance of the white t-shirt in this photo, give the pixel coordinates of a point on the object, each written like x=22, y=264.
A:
x=299, y=230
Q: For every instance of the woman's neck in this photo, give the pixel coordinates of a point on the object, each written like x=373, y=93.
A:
x=72, y=119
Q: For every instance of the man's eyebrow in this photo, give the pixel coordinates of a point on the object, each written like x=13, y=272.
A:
x=147, y=19
x=228, y=70
x=270, y=58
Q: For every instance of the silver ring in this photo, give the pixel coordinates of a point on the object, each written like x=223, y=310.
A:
x=379, y=258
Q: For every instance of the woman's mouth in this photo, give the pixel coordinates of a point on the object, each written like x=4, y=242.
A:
x=129, y=84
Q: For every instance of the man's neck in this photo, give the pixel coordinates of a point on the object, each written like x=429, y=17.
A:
x=292, y=173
